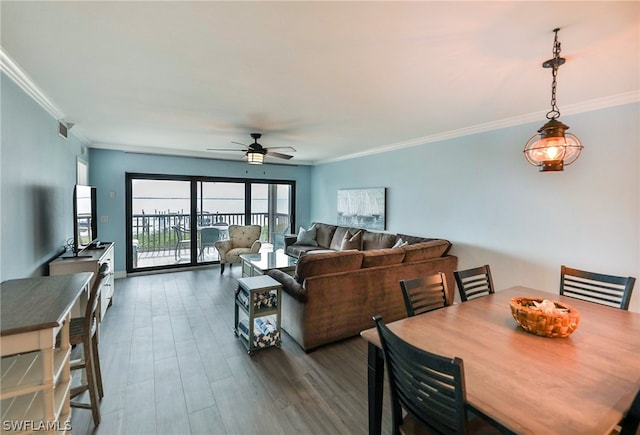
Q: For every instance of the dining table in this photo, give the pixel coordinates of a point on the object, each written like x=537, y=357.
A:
x=526, y=383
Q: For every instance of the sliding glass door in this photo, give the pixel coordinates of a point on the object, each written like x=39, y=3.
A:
x=174, y=221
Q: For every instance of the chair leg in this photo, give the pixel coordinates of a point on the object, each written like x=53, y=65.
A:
x=221, y=268
x=96, y=362
x=91, y=381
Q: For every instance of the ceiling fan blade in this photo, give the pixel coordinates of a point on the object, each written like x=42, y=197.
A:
x=239, y=143
x=279, y=155
x=225, y=149
x=292, y=149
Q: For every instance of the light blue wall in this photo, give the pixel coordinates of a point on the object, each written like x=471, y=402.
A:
x=38, y=172
x=107, y=173
x=479, y=192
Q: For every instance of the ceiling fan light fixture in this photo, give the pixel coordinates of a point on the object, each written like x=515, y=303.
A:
x=551, y=149
x=255, y=158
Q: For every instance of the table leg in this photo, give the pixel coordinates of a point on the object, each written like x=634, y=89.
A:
x=375, y=386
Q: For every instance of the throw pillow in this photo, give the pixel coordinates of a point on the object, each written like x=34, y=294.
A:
x=351, y=241
x=400, y=243
x=307, y=237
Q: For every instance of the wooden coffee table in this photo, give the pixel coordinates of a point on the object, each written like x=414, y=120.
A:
x=260, y=264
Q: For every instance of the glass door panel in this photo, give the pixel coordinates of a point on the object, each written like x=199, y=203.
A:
x=271, y=206
x=160, y=222
x=218, y=205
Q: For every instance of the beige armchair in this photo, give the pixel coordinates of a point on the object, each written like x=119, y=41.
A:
x=242, y=240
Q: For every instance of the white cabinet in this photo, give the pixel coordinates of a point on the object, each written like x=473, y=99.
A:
x=90, y=260
x=34, y=343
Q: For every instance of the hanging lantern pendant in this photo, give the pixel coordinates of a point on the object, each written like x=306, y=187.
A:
x=552, y=148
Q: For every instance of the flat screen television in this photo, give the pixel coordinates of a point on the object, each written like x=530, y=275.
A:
x=85, y=219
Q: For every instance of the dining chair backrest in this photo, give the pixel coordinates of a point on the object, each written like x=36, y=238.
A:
x=473, y=283
x=424, y=294
x=182, y=235
x=209, y=235
x=429, y=387
x=631, y=421
x=610, y=290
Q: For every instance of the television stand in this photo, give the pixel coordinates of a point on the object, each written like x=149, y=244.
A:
x=79, y=256
x=89, y=260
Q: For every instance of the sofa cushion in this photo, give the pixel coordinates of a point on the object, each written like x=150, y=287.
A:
x=382, y=257
x=324, y=263
x=425, y=250
x=338, y=235
x=300, y=250
x=307, y=237
x=373, y=240
x=350, y=241
x=324, y=234
x=399, y=243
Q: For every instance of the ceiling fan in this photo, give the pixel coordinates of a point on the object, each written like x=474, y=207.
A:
x=255, y=152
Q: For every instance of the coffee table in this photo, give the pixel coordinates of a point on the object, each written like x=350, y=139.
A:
x=260, y=264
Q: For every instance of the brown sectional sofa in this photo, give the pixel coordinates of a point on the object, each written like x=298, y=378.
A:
x=334, y=294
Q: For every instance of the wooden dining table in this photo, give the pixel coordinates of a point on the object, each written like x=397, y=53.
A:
x=528, y=384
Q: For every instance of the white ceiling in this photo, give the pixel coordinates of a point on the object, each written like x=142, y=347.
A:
x=332, y=79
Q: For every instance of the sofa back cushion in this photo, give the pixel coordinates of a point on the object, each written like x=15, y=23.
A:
x=324, y=234
x=372, y=240
x=338, y=236
x=352, y=241
x=382, y=257
x=327, y=262
x=425, y=250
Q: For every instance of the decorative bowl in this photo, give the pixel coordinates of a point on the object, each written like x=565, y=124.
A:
x=559, y=321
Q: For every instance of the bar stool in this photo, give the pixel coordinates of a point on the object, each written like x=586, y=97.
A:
x=84, y=330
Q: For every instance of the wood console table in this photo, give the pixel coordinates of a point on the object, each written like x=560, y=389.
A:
x=34, y=368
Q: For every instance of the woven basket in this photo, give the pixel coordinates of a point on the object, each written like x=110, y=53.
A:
x=538, y=322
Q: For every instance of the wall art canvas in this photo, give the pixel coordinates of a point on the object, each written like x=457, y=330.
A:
x=362, y=208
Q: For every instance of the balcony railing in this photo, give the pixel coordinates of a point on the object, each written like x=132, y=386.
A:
x=154, y=234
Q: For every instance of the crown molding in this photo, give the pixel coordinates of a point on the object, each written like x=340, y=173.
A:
x=26, y=83
x=571, y=109
x=22, y=79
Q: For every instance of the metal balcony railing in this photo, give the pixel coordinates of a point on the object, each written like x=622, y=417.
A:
x=155, y=236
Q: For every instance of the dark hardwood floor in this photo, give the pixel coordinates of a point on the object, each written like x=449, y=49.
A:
x=172, y=365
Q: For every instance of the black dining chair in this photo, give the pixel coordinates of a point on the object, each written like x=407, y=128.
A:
x=631, y=421
x=424, y=294
x=429, y=387
x=474, y=283
x=610, y=290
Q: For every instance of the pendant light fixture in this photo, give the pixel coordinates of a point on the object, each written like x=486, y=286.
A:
x=552, y=148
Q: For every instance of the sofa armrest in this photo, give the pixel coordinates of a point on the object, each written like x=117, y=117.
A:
x=289, y=285
x=289, y=239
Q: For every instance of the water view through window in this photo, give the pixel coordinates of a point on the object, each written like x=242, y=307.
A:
x=177, y=221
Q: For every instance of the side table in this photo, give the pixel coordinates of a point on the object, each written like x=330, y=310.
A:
x=258, y=299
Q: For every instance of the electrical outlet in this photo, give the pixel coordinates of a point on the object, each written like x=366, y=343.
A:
x=112, y=195
x=104, y=218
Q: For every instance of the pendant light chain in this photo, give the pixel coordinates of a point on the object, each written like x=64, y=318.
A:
x=555, y=111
